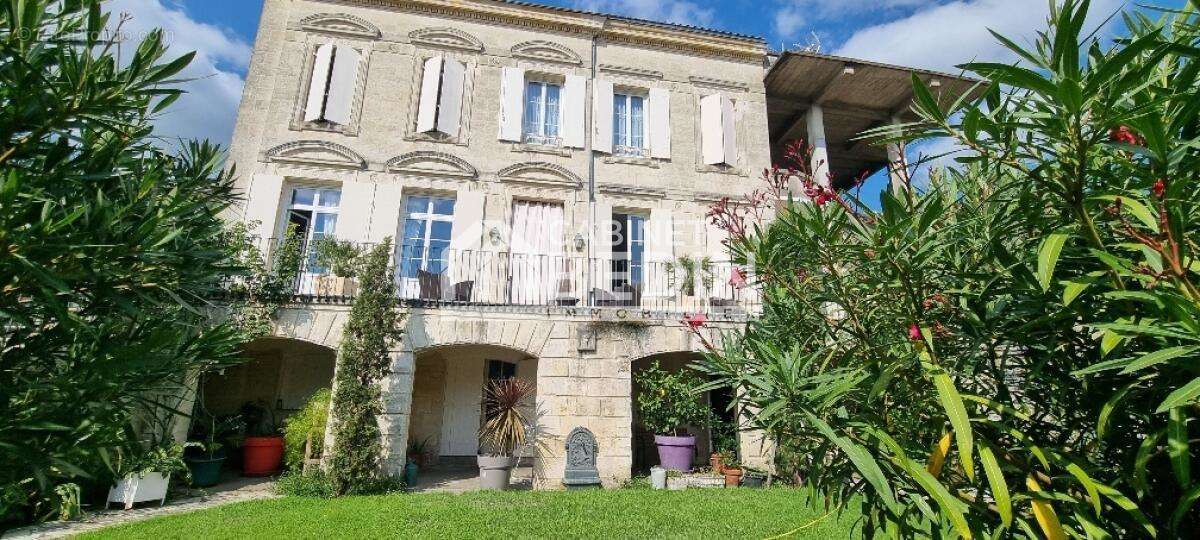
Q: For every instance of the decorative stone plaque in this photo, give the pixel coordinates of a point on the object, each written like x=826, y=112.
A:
x=581, y=459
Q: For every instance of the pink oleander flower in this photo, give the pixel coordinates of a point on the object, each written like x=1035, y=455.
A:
x=695, y=321
x=914, y=333
x=737, y=278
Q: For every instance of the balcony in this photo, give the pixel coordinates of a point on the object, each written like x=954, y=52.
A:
x=516, y=282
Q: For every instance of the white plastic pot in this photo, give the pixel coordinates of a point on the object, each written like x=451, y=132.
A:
x=658, y=478
x=134, y=489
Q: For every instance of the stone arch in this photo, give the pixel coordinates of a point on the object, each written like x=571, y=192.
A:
x=317, y=154
x=445, y=37
x=426, y=332
x=540, y=172
x=430, y=163
x=546, y=51
x=340, y=23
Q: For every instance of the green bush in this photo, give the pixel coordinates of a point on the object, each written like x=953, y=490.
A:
x=110, y=248
x=311, y=483
x=1010, y=350
x=364, y=359
x=307, y=424
x=667, y=402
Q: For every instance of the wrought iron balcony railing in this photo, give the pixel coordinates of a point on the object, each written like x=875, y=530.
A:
x=433, y=277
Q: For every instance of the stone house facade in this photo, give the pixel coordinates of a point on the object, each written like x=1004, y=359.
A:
x=544, y=175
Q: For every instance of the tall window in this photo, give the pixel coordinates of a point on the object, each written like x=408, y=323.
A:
x=628, y=249
x=312, y=215
x=629, y=128
x=541, y=113
x=428, y=222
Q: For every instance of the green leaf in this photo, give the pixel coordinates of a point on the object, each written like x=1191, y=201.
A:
x=1181, y=396
x=1048, y=254
x=963, y=435
x=1177, y=447
x=1146, y=451
x=997, y=483
x=1088, y=484
x=1185, y=503
x=1107, y=409
x=1134, y=207
x=1129, y=507
x=861, y=458
x=1072, y=289
x=1158, y=357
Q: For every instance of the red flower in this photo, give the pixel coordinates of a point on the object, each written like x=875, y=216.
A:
x=1123, y=134
x=737, y=279
x=695, y=321
x=914, y=333
x=1160, y=188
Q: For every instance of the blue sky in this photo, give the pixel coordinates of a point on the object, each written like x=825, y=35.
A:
x=933, y=34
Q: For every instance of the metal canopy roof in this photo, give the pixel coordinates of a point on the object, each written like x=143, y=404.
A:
x=855, y=95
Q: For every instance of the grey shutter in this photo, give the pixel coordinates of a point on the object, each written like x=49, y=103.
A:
x=659, y=123
x=431, y=81
x=602, y=116
x=450, y=105
x=341, y=85
x=573, y=102
x=512, y=97
x=318, y=83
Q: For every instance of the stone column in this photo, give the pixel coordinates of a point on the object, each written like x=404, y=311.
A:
x=397, y=389
x=897, y=164
x=820, y=152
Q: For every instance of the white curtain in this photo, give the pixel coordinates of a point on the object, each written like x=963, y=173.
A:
x=536, y=249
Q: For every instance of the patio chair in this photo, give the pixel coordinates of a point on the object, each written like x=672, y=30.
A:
x=430, y=285
x=462, y=291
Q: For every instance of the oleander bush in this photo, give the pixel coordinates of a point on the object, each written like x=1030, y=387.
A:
x=1012, y=347
x=110, y=247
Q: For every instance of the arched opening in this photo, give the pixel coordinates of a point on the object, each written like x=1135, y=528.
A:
x=446, y=409
x=708, y=438
x=280, y=373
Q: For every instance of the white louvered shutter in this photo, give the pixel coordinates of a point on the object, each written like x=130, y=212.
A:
x=467, y=232
x=573, y=102
x=712, y=133
x=728, y=131
x=262, y=204
x=431, y=81
x=385, y=218
x=601, y=270
x=318, y=84
x=341, y=85
x=450, y=106
x=602, y=116
x=660, y=251
x=354, y=211
x=660, y=123
x=512, y=97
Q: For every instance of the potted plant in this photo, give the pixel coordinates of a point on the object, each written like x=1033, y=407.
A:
x=733, y=472
x=206, y=453
x=503, y=430
x=341, y=259
x=668, y=403
x=687, y=280
x=418, y=451
x=144, y=476
x=262, y=451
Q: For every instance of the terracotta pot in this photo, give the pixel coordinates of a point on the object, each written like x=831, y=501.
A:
x=733, y=477
x=262, y=456
x=717, y=463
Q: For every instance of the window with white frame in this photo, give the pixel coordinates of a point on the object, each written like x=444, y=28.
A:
x=629, y=125
x=428, y=223
x=541, y=113
x=313, y=215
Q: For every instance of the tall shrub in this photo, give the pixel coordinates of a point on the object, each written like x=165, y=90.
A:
x=1012, y=348
x=109, y=248
x=364, y=359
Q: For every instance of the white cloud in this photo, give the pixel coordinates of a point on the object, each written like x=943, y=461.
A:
x=672, y=11
x=209, y=108
x=943, y=36
x=795, y=18
x=790, y=21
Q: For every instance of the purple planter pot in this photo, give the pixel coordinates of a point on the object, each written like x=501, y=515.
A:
x=675, y=453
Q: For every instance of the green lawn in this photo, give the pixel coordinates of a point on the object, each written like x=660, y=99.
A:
x=627, y=513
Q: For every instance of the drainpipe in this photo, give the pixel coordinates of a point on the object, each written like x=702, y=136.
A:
x=589, y=134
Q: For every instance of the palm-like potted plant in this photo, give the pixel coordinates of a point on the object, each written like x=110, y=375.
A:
x=732, y=470
x=502, y=431
x=143, y=475
x=668, y=403
x=206, y=454
x=341, y=258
